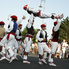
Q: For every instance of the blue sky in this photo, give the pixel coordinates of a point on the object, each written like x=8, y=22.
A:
x=15, y=7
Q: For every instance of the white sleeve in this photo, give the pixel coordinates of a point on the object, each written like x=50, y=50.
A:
x=30, y=21
x=31, y=18
x=58, y=25
x=38, y=38
x=17, y=35
x=29, y=25
x=10, y=27
x=19, y=21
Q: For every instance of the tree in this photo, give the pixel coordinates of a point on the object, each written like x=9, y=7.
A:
x=34, y=37
x=64, y=30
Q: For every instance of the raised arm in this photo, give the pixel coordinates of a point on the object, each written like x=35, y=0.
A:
x=20, y=20
x=58, y=25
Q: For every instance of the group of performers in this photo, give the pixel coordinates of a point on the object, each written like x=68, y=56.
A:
x=12, y=37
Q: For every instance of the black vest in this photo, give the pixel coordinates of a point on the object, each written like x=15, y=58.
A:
x=20, y=34
x=41, y=35
x=55, y=35
x=30, y=30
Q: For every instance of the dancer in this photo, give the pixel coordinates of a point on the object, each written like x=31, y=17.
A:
x=54, y=41
x=28, y=39
x=42, y=40
x=18, y=38
x=40, y=14
x=9, y=38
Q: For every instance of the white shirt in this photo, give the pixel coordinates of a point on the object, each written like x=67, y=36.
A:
x=11, y=24
x=63, y=44
x=38, y=34
x=58, y=25
x=17, y=35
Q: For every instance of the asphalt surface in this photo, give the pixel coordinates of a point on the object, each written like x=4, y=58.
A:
x=18, y=64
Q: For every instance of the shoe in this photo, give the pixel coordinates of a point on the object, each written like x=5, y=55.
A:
x=7, y=59
x=61, y=16
x=25, y=61
x=43, y=60
x=2, y=58
x=12, y=58
x=40, y=63
x=52, y=64
x=16, y=58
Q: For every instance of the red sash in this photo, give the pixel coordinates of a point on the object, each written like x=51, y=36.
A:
x=30, y=36
x=18, y=39
x=9, y=35
x=0, y=39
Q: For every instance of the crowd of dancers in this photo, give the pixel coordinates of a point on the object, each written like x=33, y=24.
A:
x=12, y=37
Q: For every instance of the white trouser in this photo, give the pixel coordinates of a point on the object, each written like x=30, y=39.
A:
x=9, y=42
x=63, y=52
x=45, y=55
x=42, y=14
x=42, y=46
x=3, y=50
x=20, y=43
x=15, y=49
x=53, y=50
x=28, y=42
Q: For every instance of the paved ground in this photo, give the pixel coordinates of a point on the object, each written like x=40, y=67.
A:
x=61, y=64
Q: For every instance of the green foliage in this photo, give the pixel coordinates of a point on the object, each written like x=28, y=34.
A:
x=64, y=30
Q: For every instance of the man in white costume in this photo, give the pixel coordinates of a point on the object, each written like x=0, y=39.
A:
x=40, y=14
x=64, y=46
x=54, y=41
x=29, y=36
x=2, y=34
x=9, y=38
x=42, y=40
x=18, y=38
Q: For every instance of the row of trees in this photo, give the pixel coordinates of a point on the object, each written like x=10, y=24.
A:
x=64, y=31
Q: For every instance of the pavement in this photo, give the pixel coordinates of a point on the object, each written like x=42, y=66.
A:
x=18, y=64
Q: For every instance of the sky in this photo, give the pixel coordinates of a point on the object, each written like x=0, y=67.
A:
x=15, y=7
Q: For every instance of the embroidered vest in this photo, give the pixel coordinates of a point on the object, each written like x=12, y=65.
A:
x=30, y=30
x=55, y=35
x=14, y=27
